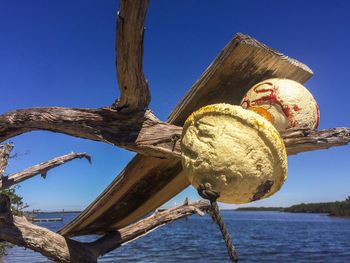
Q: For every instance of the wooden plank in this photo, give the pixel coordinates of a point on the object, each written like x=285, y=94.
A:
x=147, y=182
x=240, y=65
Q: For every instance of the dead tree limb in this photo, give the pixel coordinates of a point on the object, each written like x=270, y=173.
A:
x=127, y=123
x=5, y=150
x=145, y=226
x=133, y=86
x=41, y=169
x=303, y=140
x=18, y=231
x=141, y=132
x=138, y=131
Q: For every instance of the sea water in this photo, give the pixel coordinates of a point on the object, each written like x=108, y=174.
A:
x=258, y=237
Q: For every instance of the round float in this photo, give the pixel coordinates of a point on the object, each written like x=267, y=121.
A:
x=284, y=102
x=237, y=151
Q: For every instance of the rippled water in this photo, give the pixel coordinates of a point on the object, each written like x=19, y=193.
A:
x=259, y=237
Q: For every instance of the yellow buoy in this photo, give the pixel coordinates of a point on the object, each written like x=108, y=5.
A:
x=238, y=152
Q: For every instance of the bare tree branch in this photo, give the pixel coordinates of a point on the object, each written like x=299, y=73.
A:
x=41, y=169
x=145, y=226
x=147, y=183
x=133, y=86
x=18, y=231
x=303, y=140
x=139, y=131
x=5, y=150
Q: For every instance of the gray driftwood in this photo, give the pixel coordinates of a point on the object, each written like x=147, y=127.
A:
x=138, y=131
x=149, y=181
x=19, y=231
x=39, y=169
x=133, y=86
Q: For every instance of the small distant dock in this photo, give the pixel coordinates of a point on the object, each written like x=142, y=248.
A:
x=57, y=219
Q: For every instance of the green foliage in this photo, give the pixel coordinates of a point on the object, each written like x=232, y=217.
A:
x=17, y=206
x=339, y=208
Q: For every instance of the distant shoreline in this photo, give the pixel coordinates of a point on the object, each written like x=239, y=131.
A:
x=262, y=208
x=338, y=208
x=52, y=212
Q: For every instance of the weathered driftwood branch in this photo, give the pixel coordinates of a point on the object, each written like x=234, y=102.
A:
x=139, y=131
x=145, y=226
x=5, y=150
x=18, y=231
x=133, y=86
x=301, y=140
x=127, y=124
x=41, y=169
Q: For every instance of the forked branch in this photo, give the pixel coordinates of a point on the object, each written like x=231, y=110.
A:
x=41, y=169
x=18, y=231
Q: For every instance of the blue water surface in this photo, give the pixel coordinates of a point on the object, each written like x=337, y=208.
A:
x=258, y=236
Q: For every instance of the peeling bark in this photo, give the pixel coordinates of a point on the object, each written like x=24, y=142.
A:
x=41, y=169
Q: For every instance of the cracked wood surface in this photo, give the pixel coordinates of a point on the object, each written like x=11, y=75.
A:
x=148, y=182
x=133, y=86
x=137, y=131
x=302, y=140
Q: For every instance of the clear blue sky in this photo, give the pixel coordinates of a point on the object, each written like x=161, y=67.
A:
x=61, y=53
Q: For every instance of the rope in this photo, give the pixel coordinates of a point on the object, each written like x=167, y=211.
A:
x=206, y=191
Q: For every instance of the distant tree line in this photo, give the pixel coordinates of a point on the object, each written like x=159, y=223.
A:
x=339, y=208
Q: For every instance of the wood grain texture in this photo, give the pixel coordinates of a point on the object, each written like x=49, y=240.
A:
x=40, y=169
x=302, y=140
x=18, y=231
x=5, y=150
x=136, y=131
x=241, y=64
x=133, y=86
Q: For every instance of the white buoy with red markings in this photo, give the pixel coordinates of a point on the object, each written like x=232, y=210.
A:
x=284, y=102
